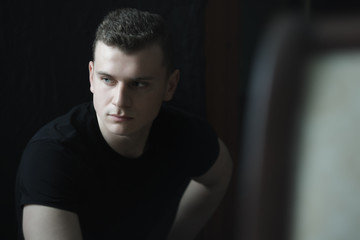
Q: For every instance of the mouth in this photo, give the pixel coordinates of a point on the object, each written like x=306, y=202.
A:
x=120, y=118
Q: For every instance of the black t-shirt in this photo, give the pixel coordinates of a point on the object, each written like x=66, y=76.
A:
x=68, y=165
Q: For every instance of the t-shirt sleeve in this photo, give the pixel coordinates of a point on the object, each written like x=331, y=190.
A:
x=47, y=176
x=205, y=148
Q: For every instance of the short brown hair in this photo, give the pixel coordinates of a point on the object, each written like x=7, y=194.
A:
x=131, y=30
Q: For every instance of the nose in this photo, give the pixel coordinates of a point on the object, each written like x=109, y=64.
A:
x=122, y=98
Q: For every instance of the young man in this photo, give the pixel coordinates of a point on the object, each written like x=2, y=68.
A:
x=123, y=166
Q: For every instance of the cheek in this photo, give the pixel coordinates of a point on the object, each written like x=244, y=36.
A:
x=100, y=98
x=154, y=98
x=152, y=104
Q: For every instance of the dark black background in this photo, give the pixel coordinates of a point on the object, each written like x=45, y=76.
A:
x=45, y=48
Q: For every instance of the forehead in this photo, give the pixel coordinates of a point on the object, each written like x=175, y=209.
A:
x=110, y=58
x=105, y=51
x=148, y=59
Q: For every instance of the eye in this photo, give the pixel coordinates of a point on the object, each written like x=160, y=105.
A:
x=108, y=81
x=139, y=84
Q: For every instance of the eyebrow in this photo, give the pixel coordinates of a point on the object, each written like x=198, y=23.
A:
x=143, y=78
x=104, y=74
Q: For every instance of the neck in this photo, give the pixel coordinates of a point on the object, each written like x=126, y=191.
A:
x=127, y=146
x=130, y=146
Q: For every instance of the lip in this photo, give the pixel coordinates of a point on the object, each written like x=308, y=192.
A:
x=120, y=118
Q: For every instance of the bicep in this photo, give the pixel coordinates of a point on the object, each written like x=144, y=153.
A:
x=42, y=222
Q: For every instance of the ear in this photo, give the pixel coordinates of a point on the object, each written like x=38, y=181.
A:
x=91, y=76
x=171, y=85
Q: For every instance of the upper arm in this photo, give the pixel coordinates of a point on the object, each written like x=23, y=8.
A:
x=41, y=222
x=202, y=196
x=220, y=173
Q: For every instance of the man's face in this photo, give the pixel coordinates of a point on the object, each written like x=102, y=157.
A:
x=129, y=88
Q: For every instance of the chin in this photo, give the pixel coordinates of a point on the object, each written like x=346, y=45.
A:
x=117, y=131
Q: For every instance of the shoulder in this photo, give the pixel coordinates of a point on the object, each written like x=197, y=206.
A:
x=182, y=122
x=181, y=127
x=189, y=137
x=55, y=151
x=60, y=141
x=71, y=131
x=54, y=162
x=50, y=163
x=65, y=126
